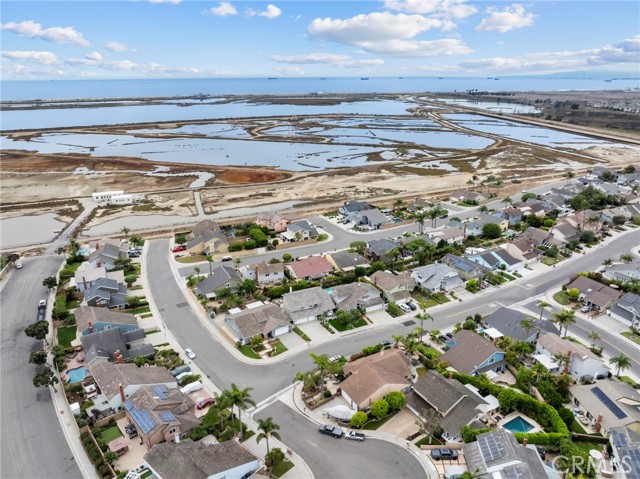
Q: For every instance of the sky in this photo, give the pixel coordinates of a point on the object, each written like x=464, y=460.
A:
x=321, y=38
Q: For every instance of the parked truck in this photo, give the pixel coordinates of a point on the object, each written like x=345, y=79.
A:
x=331, y=430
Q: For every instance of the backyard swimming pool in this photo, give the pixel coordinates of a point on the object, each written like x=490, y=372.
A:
x=518, y=424
x=76, y=375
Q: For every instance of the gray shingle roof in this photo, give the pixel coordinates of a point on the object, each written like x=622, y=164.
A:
x=107, y=290
x=110, y=375
x=307, y=302
x=465, y=265
x=381, y=247
x=217, y=280
x=86, y=314
x=470, y=351
x=433, y=276
x=105, y=344
x=349, y=296
x=303, y=225
x=348, y=260
x=260, y=320
x=507, y=321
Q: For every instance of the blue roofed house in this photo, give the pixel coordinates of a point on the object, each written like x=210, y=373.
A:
x=497, y=259
x=471, y=354
x=91, y=320
x=106, y=293
x=466, y=268
x=513, y=215
x=436, y=277
x=108, y=253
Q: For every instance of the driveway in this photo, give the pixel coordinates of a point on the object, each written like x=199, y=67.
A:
x=381, y=317
x=292, y=340
x=315, y=330
x=402, y=424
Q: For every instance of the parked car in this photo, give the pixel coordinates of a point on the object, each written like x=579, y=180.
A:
x=354, y=436
x=446, y=215
x=335, y=358
x=42, y=304
x=449, y=335
x=334, y=431
x=204, y=402
x=182, y=376
x=190, y=354
x=41, y=314
x=18, y=265
x=175, y=372
x=177, y=249
x=134, y=254
x=191, y=387
x=131, y=431
x=444, y=453
x=227, y=258
x=404, y=308
x=412, y=306
x=385, y=342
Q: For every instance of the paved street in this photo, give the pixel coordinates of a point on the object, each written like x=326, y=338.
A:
x=340, y=458
x=33, y=444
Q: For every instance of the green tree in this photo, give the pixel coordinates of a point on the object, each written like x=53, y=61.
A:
x=125, y=230
x=379, y=408
x=247, y=287
x=527, y=324
x=50, y=282
x=256, y=341
x=420, y=217
x=287, y=258
x=181, y=240
x=542, y=305
x=626, y=258
x=509, y=400
x=396, y=400
x=491, y=231
x=324, y=366
x=423, y=317
x=564, y=319
x=398, y=204
x=621, y=362
x=133, y=301
x=130, y=279
x=607, y=262
x=561, y=359
x=359, y=419
x=45, y=378
x=358, y=246
x=38, y=330
x=38, y=357
x=574, y=294
x=274, y=458
x=528, y=196
x=136, y=240
x=507, y=201
x=241, y=399
x=209, y=259
x=483, y=209
x=267, y=430
x=472, y=286
x=434, y=212
x=569, y=175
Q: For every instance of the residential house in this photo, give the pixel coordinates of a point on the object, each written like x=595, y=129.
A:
x=374, y=219
x=599, y=171
x=201, y=227
x=584, y=220
x=222, y=277
x=87, y=274
x=307, y=305
x=623, y=271
x=311, y=267
x=345, y=261
x=497, y=259
x=497, y=454
x=91, y=320
x=495, y=218
x=299, y=231
x=378, y=250
x=106, y=293
x=536, y=236
x=461, y=195
x=522, y=249
x=210, y=242
x=509, y=323
x=418, y=204
x=581, y=363
x=455, y=404
x=117, y=382
x=454, y=234
x=610, y=189
x=277, y=221
x=513, y=215
x=466, y=268
x=609, y=404
x=625, y=452
x=352, y=206
x=470, y=353
x=264, y=274
x=395, y=288
x=161, y=414
x=114, y=345
x=107, y=253
x=565, y=232
x=608, y=214
x=627, y=310
x=266, y=321
x=436, y=277
x=362, y=296
x=373, y=377
x=197, y=460
x=595, y=294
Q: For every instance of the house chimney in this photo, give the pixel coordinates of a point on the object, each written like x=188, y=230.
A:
x=598, y=425
x=97, y=245
x=84, y=281
x=538, y=334
x=525, y=441
x=122, y=397
x=98, y=264
x=450, y=374
x=567, y=365
x=464, y=231
x=90, y=327
x=118, y=357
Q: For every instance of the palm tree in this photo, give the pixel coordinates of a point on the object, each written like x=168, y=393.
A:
x=542, y=305
x=247, y=287
x=607, y=262
x=622, y=362
x=422, y=317
x=594, y=336
x=222, y=402
x=562, y=360
x=521, y=348
x=527, y=324
x=626, y=258
x=539, y=370
x=433, y=213
x=483, y=209
x=420, y=216
x=125, y=230
x=269, y=429
x=210, y=260
x=397, y=204
x=197, y=271
x=237, y=262
x=507, y=201
x=498, y=184
x=563, y=319
x=241, y=399
x=323, y=364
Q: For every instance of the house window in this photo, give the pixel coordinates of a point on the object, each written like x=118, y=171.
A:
x=172, y=431
x=491, y=359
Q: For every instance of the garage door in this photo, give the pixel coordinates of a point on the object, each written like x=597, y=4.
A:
x=305, y=320
x=280, y=330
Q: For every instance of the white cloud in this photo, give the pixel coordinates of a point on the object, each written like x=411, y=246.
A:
x=421, y=48
x=360, y=63
x=174, y=2
x=224, y=9
x=32, y=29
x=271, y=12
x=506, y=19
x=625, y=51
x=445, y=8
x=290, y=71
x=43, y=58
x=118, y=47
x=343, y=61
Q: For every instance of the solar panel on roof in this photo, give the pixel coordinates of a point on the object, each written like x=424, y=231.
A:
x=143, y=419
x=513, y=472
x=617, y=412
x=167, y=416
x=128, y=404
x=160, y=391
x=491, y=447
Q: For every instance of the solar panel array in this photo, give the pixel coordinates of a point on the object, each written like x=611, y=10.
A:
x=143, y=419
x=462, y=265
x=514, y=472
x=491, y=447
x=128, y=405
x=167, y=416
x=627, y=452
x=160, y=391
x=613, y=407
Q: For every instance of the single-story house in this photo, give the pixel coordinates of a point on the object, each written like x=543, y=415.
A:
x=208, y=242
x=114, y=345
x=582, y=363
x=623, y=271
x=466, y=268
x=374, y=218
x=565, y=233
x=312, y=267
x=452, y=234
x=362, y=296
x=87, y=274
x=264, y=274
x=265, y=321
x=436, y=277
x=522, y=249
x=470, y=353
x=493, y=218
x=536, y=236
x=106, y=293
x=345, y=261
x=595, y=294
x=627, y=310
x=373, y=377
x=91, y=320
x=461, y=195
x=377, y=249
x=222, y=277
x=277, y=221
x=509, y=323
x=197, y=460
x=107, y=253
x=395, y=287
x=513, y=215
x=418, y=204
x=497, y=259
x=300, y=230
x=307, y=305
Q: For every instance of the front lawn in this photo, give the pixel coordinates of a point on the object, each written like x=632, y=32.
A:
x=282, y=468
x=249, y=352
x=66, y=335
x=111, y=434
x=633, y=337
x=140, y=310
x=196, y=258
x=278, y=348
x=421, y=372
x=73, y=266
x=587, y=446
x=373, y=425
x=629, y=381
x=341, y=327
x=508, y=276
x=73, y=303
x=427, y=441
x=550, y=261
x=561, y=298
x=440, y=298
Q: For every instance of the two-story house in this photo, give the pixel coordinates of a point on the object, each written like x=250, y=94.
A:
x=87, y=274
x=378, y=250
x=277, y=221
x=353, y=206
x=466, y=268
x=106, y=293
x=91, y=320
x=436, y=277
x=307, y=305
x=300, y=230
x=362, y=296
x=471, y=354
x=108, y=253
x=580, y=362
x=264, y=274
x=395, y=288
x=627, y=310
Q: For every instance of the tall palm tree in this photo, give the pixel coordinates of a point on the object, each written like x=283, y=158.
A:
x=223, y=404
x=241, y=399
x=539, y=370
x=125, y=230
x=527, y=324
x=323, y=365
x=542, y=305
x=563, y=319
x=237, y=262
x=210, y=260
x=397, y=204
x=483, y=209
x=622, y=362
x=196, y=269
x=594, y=336
x=562, y=360
x=498, y=184
x=507, y=201
x=269, y=429
x=433, y=213
x=422, y=317
x=569, y=175
x=420, y=216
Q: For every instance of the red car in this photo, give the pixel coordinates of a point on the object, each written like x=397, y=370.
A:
x=203, y=403
x=177, y=249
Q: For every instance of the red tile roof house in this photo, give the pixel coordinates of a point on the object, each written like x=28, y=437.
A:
x=313, y=267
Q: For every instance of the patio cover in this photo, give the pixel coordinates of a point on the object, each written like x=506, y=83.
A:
x=546, y=361
x=117, y=444
x=493, y=333
x=340, y=412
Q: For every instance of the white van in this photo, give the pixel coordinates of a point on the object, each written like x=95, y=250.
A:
x=227, y=258
x=191, y=387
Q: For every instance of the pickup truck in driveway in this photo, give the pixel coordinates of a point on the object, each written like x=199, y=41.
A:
x=354, y=436
x=331, y=430
x=444, y=453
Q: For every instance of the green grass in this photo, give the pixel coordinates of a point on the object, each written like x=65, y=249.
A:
x=577, y=427
x=428, y=351
x=629, y=335
x=550, y=261
x=282, y=468
x=561, y=298
x=508, y=276
x=73, y=303
x=373, y=425
x=146, y=474
x=278, y=348
x=440, y=298
x=629, y=381
x=587, y=446
x=140, y=310
x=151, y=331
x=249, y=352
x=196, y=258
x=341, y=327
x=421, y=371
x=300, y=333
x=111, y=434
x=73, y=266
x=66, y=335
x=146, y=315
x=426, y=441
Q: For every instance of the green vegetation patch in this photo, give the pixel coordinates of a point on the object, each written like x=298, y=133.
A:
x=282, y=468
x=111, y=434
x=341, y=327
x=249, y=352
x=66, y=335
x=561, y=298
x=373, y=425
x=633, y=337
x=196, y=258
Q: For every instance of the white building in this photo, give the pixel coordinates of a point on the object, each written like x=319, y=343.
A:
x=106, y=196
x=583, y=363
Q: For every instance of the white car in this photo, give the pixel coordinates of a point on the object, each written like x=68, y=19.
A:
x=190, y=354
x=18, y=265
x=404, y=308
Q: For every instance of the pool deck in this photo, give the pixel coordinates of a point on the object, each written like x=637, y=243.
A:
x=513, y=415
x=74, y=363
